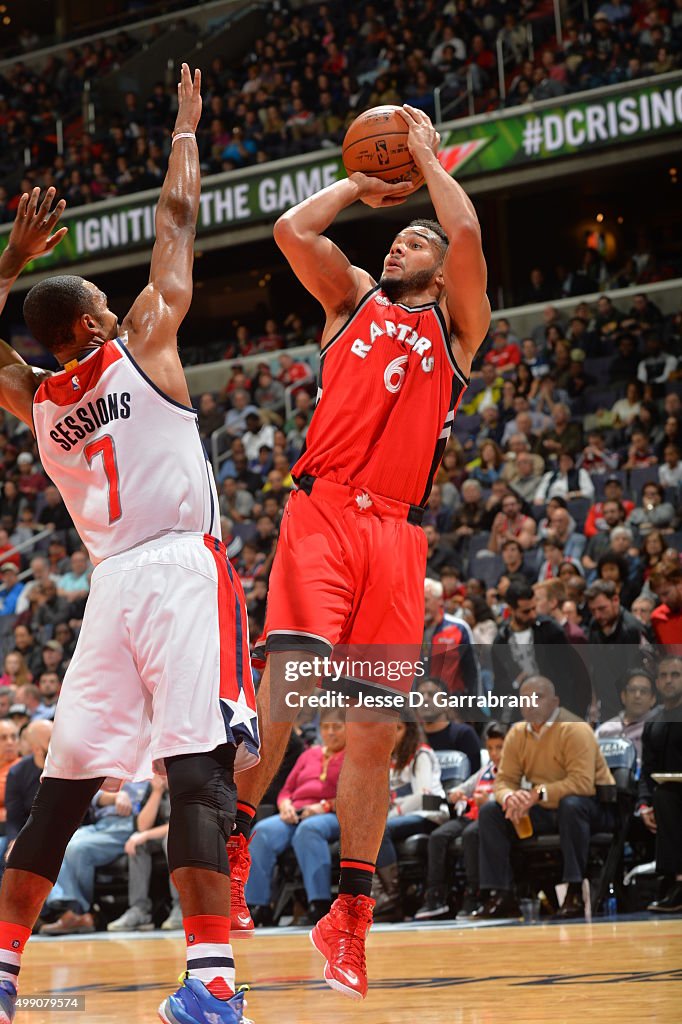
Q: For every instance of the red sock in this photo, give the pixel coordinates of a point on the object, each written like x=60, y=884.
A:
x=13, y=938
x=208, y=937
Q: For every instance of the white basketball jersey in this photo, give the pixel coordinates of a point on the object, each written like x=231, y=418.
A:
x=128, y=460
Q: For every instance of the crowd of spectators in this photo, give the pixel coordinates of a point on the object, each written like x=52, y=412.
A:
x=305, y=79
x=553, y=528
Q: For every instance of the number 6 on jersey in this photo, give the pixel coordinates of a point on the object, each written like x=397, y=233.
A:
x=104, y=446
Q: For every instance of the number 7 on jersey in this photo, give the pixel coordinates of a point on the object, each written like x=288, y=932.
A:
x=105, y=447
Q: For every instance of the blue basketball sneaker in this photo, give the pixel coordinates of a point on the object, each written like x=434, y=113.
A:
x=194, y=1004
x=8, y=999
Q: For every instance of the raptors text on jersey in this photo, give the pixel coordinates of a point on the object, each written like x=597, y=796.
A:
x=389, y=390
x=128, y=460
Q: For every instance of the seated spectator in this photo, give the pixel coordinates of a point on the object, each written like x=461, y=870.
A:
x=415, y=774
x=16, y=671
x=292, y=372
x=611, y=622
x=566, y=481
x=639, y=453
x=74, y=585
x=448, y=644
x=210, y=417
x=613, y=491
x=485, y=468
x=523, y=473
x=510, y=522
x=269, y=393
x=150, y=836
x=10, y=588
x=23, y=779
x=657, y=365
x=92, y=846
x=550, y=598
x=25, y=644
x=672, y=435
x=638, y=697
x=442, y=732
x=553, y=556
x=614, y=565
x=660, y=806
x=562, y=524
x=642, y=608
x=55, y=512
x=438, y=553
x=32, y=481
x=512, y=557
x=241, y=406
x=559, y=756
x=465, y=802
x=624, y=369
x=9, y=756
x=613, y=516
x=527, y=646
x=670, y=471
x=49, y=685
x=6, y=700
x=40, y=572
x=503, y=356
x=626, y=410
x=49, y=607
x=489, y=395
x=596, y=458
x=256, y=436
x=666, y=620
x=564, y=437
x=29, y=697
x=306, y=822
x=653, y=512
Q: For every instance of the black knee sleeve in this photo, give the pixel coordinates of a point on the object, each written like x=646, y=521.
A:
x=203, y=799
x=57, y=811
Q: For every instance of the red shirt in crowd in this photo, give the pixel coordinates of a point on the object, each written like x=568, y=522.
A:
x=503, y=356
x=667, y=626
x=304, y=785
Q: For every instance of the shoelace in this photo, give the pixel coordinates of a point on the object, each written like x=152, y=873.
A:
x=239, y=862
x=352, y=944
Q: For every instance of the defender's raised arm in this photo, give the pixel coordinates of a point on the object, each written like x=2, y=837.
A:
x=155, y=317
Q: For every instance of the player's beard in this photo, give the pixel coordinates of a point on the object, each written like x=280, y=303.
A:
x=410, y=284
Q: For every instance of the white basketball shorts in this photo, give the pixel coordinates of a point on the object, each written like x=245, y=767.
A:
x=161, y=666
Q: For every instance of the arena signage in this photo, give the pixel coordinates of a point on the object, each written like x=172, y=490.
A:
x=471, y=147
x=567, y=127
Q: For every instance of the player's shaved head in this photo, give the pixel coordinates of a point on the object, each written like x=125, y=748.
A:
x=53, y=307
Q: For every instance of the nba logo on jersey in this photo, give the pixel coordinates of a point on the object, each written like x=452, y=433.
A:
x=75, y=383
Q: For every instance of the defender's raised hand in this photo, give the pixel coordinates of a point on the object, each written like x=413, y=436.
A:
x=189, y=101
x=32, y=234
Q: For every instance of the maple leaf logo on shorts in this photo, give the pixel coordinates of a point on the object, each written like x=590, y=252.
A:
x=363, y=501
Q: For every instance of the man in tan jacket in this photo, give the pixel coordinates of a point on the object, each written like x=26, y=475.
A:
x=560, y=758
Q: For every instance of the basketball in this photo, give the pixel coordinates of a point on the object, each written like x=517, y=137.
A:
x=376, y=145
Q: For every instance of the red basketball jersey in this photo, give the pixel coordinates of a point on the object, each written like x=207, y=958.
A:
x=389, y=390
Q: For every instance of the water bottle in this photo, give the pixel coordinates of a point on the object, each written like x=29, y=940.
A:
x=611, y=903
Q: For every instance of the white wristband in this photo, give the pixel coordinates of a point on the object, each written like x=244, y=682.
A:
x=183, y=135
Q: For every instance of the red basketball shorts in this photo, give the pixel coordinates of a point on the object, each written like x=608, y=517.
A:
x=349, y=571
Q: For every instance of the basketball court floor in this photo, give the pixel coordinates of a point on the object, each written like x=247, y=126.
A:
x=623, y=971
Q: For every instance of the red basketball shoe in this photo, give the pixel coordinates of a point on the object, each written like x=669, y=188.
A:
x=340, y=938
x=241, y=922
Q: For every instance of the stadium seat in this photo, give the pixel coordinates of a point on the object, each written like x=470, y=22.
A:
x=487, y=567
x=578, y=508
x=637, y=478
